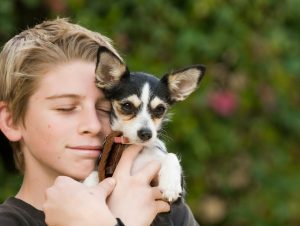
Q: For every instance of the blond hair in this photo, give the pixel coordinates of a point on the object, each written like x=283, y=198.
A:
x=32, y=53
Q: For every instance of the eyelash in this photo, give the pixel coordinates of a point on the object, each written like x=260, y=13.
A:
x=103, y=110
x=70, y=109
x=66, y=109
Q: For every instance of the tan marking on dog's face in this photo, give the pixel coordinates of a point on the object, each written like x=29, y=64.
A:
x=155, y=102
x=132, y=102
x=118, y=111
x=158, y=109
x=157, y=122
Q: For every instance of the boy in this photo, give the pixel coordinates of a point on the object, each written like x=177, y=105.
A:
x=56, y=121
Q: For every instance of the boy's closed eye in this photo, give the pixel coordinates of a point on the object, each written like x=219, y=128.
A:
x=103, y=110
x=103, y=106
x=66, y=108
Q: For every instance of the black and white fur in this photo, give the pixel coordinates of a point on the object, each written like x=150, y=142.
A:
x=139, y=105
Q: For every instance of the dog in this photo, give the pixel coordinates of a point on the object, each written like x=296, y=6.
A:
x=140, y=102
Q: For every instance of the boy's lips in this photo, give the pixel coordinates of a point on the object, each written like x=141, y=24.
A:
x=85, y=147
x=89, y=151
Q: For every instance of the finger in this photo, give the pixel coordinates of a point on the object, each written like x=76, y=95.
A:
x=128, y=156
x=107, y=186
x=157, y=195
x=150, y=171
x=162, y=206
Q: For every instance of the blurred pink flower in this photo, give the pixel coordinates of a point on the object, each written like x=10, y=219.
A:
x=223, y=103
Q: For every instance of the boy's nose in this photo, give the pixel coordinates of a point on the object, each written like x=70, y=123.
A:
x=144, y=134
x=90, y=123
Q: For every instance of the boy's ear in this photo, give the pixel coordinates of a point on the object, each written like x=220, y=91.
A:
x=7, y=127
x=183, y=82
x=109, y=68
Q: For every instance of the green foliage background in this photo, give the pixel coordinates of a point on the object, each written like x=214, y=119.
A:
x=238, y=135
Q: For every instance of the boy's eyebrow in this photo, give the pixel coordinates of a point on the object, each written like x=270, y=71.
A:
x=73, y=96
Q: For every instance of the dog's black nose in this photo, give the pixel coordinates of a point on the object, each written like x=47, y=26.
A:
x=145, y=134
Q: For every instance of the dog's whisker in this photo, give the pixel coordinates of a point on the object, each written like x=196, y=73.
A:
x=164, y=135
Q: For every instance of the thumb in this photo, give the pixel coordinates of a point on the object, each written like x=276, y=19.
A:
x=107, y=185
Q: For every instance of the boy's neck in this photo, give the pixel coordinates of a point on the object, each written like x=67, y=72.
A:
x=33, y=188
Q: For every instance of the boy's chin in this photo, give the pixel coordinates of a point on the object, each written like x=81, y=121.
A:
x=80, y=176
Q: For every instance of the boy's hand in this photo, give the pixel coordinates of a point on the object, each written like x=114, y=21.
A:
x=69, y=202
x=133, y=200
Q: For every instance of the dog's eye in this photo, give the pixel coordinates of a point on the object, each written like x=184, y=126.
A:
x=159, y=111
x=127, y=108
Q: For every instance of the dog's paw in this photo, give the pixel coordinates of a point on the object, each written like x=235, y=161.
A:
x=170, y=185
x=169, y=180
x=171, y=195
x=92, y=179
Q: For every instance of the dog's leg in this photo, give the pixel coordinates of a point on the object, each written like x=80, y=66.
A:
x=170, y=176
x=92, y=179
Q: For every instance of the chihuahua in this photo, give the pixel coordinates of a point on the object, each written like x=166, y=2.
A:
x=140, y=102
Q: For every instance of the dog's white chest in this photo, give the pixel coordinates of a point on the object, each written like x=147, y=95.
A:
x=169, y=176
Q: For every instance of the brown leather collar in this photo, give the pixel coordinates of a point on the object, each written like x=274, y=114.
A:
x=111, y=154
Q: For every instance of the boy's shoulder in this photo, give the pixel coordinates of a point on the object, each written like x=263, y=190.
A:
x=15, y=212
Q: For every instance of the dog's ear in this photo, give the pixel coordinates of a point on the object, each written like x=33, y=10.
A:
x=183, y=82
x=109, y=68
